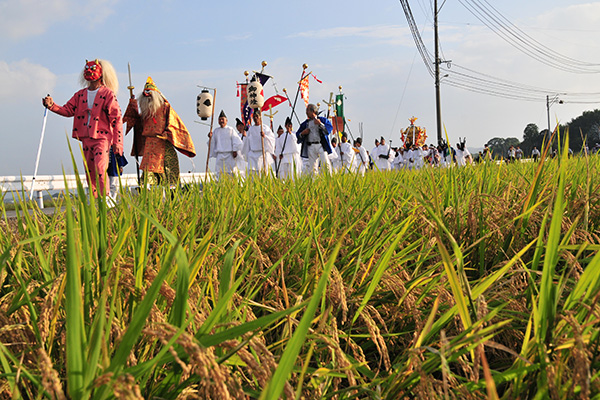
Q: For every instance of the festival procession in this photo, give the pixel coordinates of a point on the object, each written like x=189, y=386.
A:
x=310, y=140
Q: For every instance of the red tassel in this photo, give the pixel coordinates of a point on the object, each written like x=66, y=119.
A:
x=313, y=75
x=237, y=86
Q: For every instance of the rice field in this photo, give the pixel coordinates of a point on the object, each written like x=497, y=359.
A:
x=473, y=283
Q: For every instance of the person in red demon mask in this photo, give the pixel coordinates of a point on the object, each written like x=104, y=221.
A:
x=97, y=119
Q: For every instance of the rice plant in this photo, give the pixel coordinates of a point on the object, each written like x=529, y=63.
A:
x=480, y=282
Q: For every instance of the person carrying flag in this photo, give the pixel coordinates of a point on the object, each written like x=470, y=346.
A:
x=257, y=135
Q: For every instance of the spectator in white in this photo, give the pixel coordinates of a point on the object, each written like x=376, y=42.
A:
x=257, y=135
x=511, y=154
x=518, y=153
x=535, y=153
x=313, y=135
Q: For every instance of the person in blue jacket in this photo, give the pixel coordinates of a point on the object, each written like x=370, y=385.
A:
x=313, y=135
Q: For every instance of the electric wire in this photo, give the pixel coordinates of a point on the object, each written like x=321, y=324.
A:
x=516, y=37
x=471, y=80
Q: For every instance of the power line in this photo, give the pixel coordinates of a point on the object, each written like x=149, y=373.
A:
x=471, y=80
x=516, y=37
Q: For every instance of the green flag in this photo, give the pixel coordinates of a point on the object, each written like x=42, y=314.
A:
x=339, y=105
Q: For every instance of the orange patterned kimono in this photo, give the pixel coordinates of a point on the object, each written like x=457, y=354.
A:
x=160, y=136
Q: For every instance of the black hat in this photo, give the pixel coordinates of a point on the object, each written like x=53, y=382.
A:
x=359, y=140
x=238, y=122
x=279, y=127
x=334, y=140
x=222, y=115
x=288, y=121
x=344, y=135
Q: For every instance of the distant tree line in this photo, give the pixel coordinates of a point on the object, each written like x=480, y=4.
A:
x=585, y=128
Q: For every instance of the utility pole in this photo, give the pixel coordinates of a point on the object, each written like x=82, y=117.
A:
x=438, y=100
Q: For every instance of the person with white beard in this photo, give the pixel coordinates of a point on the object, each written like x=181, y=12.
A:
x=163, y=132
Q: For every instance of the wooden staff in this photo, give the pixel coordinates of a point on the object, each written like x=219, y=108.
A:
x=135, y=130
x=212, y=118
x=271, y=115
x=302, y=77
x=292, y=107
x=262, y=142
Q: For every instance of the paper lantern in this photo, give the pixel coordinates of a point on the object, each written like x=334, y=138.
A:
x=204, y=105
x=256, y=99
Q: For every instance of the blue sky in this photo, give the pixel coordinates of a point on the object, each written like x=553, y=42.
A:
x=364, y=46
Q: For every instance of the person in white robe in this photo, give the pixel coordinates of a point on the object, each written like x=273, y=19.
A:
x=398, y=162
x=241, y=163
x=346, y=154
x=286, y=151
x=383, y=156
x=362, y=158
x=334, y=156
x=257, y=135
x=373, y=153
x=463, y=156
x=226, y=147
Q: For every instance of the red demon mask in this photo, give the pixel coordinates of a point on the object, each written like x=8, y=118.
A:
x=93, y=70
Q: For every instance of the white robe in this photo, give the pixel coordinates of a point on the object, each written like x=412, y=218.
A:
x=462, y=156
x=383, y=163
x=347, y=159
x=361, y=160
x=334, y=158
x=222, y=145
x=253, y=148
x=287, y=146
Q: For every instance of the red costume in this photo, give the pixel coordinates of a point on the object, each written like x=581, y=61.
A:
x=98, y=125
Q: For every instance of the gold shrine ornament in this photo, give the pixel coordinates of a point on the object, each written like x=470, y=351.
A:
x=413, y=135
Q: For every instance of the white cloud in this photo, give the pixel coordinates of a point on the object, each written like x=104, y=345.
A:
x=23, y=79
x=27, y=18
x=395, y=34
x=242, y=36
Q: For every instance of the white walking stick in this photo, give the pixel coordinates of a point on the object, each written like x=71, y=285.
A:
x=39, y=152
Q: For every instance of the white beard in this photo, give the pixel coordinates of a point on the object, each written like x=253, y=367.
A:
x=149, y=105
